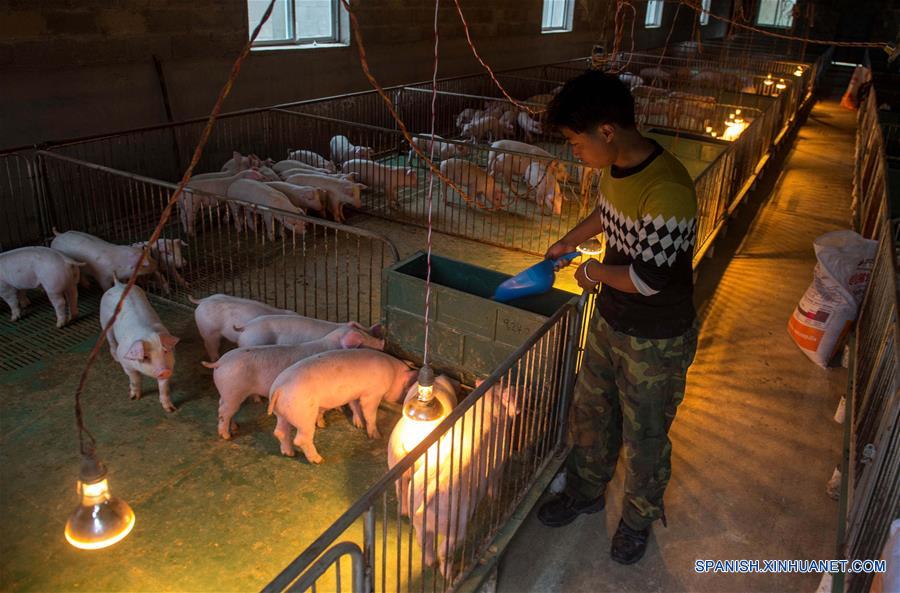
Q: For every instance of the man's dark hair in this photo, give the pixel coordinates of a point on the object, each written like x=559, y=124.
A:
x=591, y=99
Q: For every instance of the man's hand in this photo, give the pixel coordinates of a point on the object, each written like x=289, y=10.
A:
x=559, y=249
x=582, y=279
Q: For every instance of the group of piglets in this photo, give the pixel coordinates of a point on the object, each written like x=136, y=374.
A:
x=304, y=182
x=305, y=366
x=71, y=259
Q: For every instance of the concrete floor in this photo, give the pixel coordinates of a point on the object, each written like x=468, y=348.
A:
x=754, y=442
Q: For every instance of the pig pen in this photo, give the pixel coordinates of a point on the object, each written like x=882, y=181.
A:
x=202, y=503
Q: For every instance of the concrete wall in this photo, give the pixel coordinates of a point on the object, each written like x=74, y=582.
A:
x=70, y=68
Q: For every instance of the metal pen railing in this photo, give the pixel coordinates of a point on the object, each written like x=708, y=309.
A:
x=462, y=481
x=872, y=468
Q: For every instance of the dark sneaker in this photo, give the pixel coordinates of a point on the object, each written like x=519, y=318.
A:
x=628, y=545
x=563, y=509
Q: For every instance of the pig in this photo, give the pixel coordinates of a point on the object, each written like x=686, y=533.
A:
x=290, y=330
x=361, y=378
x=30, y=267
x=486, y=127
x=255, y=192
x=268, y=174
x=289, y=164
x=340, y=191
x=312, y=158
x=529, y=125
x=217, y=314
x=139, y=341
x=508, y=165
x=442, y=150
x=243, y=372
x=342, y=150
x=191, y=201
x=496, y=108
x=302, y=196
x=239, y=162
x=541, y=180
x=443, y=503
x=467, y=115
x=104, y=262
x=473, y=179
x=320, y=172
x=167, y=254
x=385, y=177
x=508, y=118
x=445, y=391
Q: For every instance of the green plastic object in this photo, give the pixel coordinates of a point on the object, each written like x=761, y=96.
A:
x=470, y=334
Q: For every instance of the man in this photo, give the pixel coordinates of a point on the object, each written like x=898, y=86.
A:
x=643, y=333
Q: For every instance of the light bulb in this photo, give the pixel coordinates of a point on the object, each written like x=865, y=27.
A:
x=592, y=247
x=422, y=413
x=768, y=81
x=798, y=71
x=708, y=129
x=781, y=85
x=713, y=134
x=100, y=520
x=737, y=111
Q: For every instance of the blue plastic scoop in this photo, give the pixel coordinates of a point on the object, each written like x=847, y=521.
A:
x=537, y=279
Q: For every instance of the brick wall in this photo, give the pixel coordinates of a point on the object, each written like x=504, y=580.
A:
x=78, y=67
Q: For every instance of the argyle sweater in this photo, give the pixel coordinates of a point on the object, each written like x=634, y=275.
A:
x=649, y=219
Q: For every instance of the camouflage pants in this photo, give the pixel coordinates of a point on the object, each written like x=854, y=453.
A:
x=625, y=397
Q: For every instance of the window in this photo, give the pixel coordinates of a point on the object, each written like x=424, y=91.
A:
x=776, y=13
x=704, y=13
x=654, y=14
x=557, y=16
x=298, y=22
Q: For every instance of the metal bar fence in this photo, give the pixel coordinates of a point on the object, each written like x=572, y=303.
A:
x=22, y=212
x=873, y=479
x=315, y=267
x=426, y=523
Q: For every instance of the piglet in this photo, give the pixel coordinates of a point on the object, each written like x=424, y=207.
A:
x=243, y=372
x=139, y=341
x=312, y=158
x=256, y=192
x=167, y=253
x=442, y=150
x=104, y=262
x=402, y=442
x=473, y=179
x=529, y=125
x=282, y=167
x=32, y=267
x=302, y=196
x=472, y=458
x=467, y=115
x=199, y=193
x=541, y=180
x=340, y=191
x=361, y=378
x=385, y=177
x=216, y=316
x=290, y=330
x=239, y=162
x=487, y=127
x=342, y=150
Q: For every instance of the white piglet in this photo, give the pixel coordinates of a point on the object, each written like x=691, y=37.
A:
x=32, y=267
x=542, y=183
x=104, y=262
x=312, y=158
x=384, y=177
x=217, y=314
x=442, y=150
x=139, y=341
x=342, y=150
x=243, y=372
x=487, y=127
x=255, y=192
x=199, y=192
x=302, y=196
x=340, y=191
x=361, y=378
x=290, y=330
x=473, y=179
x=167, y=254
